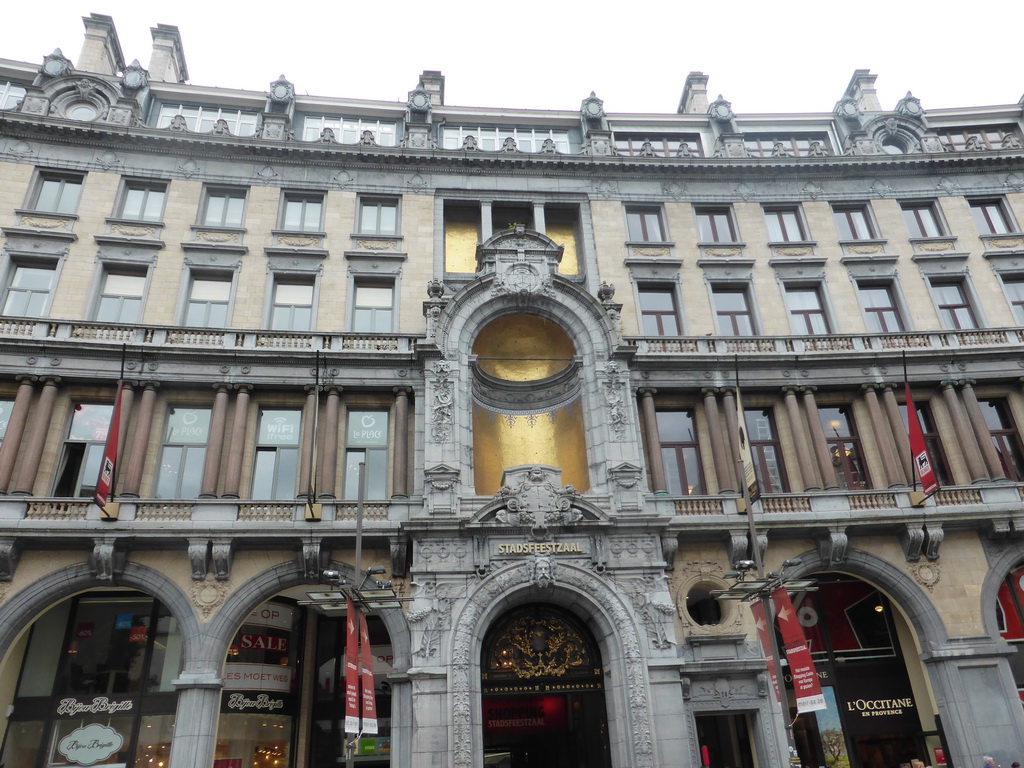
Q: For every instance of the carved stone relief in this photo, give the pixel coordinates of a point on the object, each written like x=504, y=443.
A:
x=614, y=400
x=441, y=418
x=208, y=595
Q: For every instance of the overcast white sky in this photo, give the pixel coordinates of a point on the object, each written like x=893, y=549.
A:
x=763, y=57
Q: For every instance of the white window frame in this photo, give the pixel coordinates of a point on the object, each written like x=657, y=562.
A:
x=64, y=206
x=368, y=202
x=291, y=278
x=293, y=197
x=898, y=305
x=277, y=493
x=147, y=188
x=11, y=265
x=869, y=221
x=491, y=138
x=359, y=283
x=818, y=288
x=116, y=270
x=385, y=132
x=970, y=300
x=185, y=448
x=201, y=119
x=10, y=95
x=227, y=193
x=716, y=210
x=798, y=217
x=906, y=207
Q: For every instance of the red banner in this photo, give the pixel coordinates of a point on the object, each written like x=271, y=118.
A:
x=761, y=622
x=108, y=466
x=366, y=659
x=351, y=671
x=806, y=687
x=922, y=464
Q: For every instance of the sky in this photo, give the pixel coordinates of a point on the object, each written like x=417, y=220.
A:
x=551, y=55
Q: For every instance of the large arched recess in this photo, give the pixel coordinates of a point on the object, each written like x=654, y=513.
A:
x=999, y=568
x=25, y=606
x=591, y=599
x=591, y=325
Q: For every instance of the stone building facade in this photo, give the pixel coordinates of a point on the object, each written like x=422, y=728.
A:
x=530, y=329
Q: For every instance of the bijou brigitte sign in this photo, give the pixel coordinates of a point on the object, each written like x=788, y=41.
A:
x=90, y=745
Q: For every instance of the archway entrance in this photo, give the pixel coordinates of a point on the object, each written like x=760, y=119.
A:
x=543, y=693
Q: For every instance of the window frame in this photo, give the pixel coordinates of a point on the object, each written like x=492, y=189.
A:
x=674, y=455
x=90, y=457
x=225, y=193
x=184, y=473
x=10, y=95
x=917, y=226
x=630, y=144
x=846, y=450
x=10, y=274
x=949, y=314
x=147, y=187
x=643, y=215
x=382, y=454
x=711, y=214
x=378, y=203
x=374, y=310
x=208, y=276
x=875, y=316
x=63, y=205
x=385, y=132
x=759, y=448
x=1016, y=302
x=658, y=314
x=118, y=269
x=260, y=473
x=775, y=213
x=842, y=216
x=742, y=289
x=791, y=289
x=932, y=440
x=279, y=279
x=491, y=138
x=981, y=212
x=797, y=144
x=241, y=123
x=304, y=200
x=1006, y=437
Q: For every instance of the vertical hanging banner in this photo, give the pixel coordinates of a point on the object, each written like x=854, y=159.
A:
x=806, y=687
x=749, y=478
x=366, y=659
x=922, y=463
x=351, y=670
x=105, y=481
x=761, y=622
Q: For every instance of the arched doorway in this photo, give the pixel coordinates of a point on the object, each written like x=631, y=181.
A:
x=542, y=684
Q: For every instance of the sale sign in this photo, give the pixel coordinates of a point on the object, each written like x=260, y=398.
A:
x=806, y=687
x=761, y=622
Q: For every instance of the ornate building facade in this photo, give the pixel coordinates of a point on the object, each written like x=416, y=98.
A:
x=529, y=329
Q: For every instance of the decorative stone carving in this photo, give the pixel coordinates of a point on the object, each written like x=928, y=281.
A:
x=736, y=547
x=221, y=128
x=199, y=558
x=832, y=546
x=134, y=79
x=548, y=147
x=441, y=418
x=208, y=595
x=933, y=540
x=909, y=106
x=469, y=144
x=222, y=550
x=399, y=547
x=366, y=139
x=912, y=540
x=522, y=280
x=312, y=560
x=720, y=110
x=178, y=123
x=646, y=149
x=684, y=150
x=592, y=108
x=1011, y=141
x=848, y=109
x=442, y=484
x=722, y=690
x=779, y=150
x=435, y=289
x=542, y=571
x=653, y=604
x=55, y=65
x=10, y=552
x=926, y=574
x=614, y=400
x=430, y=614
x=509, y=145
x=327, y=136
x=418, y=103
x=281, y=94
x=106, y=560
x=531, y=498
x=188, y=168
x=669, y=547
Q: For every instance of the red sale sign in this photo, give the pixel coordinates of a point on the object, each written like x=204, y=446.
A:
x=761, y=622
x=801, y=667
x=351, y=671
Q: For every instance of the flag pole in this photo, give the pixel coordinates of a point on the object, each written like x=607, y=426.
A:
x=906, y=388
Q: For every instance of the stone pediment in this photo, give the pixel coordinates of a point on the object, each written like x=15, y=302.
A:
x=532, y=496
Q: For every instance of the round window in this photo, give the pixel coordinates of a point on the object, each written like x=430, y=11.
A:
x=893, y=147
x=702, y=607
x=81, y=111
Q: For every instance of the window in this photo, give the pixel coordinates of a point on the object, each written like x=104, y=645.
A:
x=292, y=309
x=223, y=208
x=661, y=146
x=348, y=131
x=373, y=308
x=880, y=311
x=203, y=119
x=57, y=194
x=378, y=217
x=955, y=311
x=798, y=145
x=853, y=222
x=83, y=451
x=644, y=225
x=932, y=443
x=658, y=315
x=844, y=447
x=765, y=449
x=121, y=298
x=10, y=95
x=1014, y=286
x=6, y=409
x=143, y=201
x=715, y=225
x=806, y=312
x=680, y=452
x=1005, y=437
x=180, y=474
x=980, y=137
x=302, y=212
x=29, y=291
x=367, y=442
x=275, y=473
x=991, y=217
x=732, y=308
x=492, y=139
x=784, y=225
x=208, y=299
x=922, y=220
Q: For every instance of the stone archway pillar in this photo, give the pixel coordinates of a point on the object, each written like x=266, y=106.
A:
x=195, y=722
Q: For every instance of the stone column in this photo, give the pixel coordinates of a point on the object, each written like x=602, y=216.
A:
x=820, y=447
x=732, y=426
x=195, y=721
x=656, y=468
x=539, y=223
x=982, y=433
x=25, y=483
x=883, y=438
x=215, y=443
x=723, y=469
x=808, y=469
x=140, y=441
x=15, y=429
x=236, y=448
x=400, y=477
x=486, y=221
x=899, y=430
x=329, y=449
x=965, y=441
x=307, y=442
x=127, y=404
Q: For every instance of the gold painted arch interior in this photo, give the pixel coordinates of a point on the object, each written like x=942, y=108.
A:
x=526, y=401
x=539, y=643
